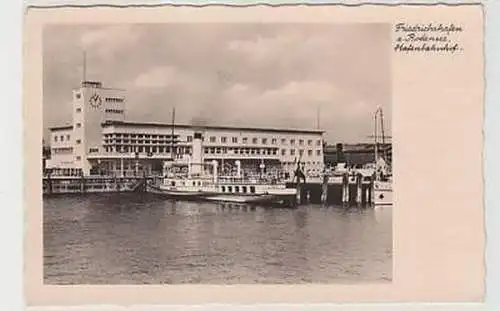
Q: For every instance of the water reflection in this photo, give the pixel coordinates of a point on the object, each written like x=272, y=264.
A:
x=128, y=239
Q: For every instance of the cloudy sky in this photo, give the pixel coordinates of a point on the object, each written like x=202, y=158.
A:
x=269, y=75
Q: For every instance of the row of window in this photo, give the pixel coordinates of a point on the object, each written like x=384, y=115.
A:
x=64, y=150
x=115, y=100
x=61, y=137
x=119, y=111
x=263, y=151
x=155, y=149
x=263, y=141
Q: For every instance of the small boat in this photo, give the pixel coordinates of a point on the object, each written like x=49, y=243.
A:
x=382, y=184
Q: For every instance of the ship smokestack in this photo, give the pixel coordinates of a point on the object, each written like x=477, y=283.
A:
x=197, y=154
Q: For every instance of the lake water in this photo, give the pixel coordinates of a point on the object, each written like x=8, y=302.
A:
x=143, y=239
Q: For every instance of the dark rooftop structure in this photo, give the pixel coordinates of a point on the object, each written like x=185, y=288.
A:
x=355, y=154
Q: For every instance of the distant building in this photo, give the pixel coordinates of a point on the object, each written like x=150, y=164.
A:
x=355, y=154
x=100, y=141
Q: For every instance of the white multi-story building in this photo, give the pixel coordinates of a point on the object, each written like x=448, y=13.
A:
x=101, y=141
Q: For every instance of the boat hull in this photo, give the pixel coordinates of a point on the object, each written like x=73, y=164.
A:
x=382, y=194
x=285, y=197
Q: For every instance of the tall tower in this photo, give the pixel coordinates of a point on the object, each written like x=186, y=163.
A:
x=93, y=105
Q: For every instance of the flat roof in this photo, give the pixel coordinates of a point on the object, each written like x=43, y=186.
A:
x=211, y=127
x=61, y=128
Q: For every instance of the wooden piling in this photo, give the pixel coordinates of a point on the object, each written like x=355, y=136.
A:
x=345, y=189
x=82, y=183
x=324, y=190
x=298, y=194
x=359, y=189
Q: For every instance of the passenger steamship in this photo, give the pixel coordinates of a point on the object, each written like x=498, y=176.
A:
x=203, y=182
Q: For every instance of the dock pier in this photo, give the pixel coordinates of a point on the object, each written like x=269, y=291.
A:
x=349, y=191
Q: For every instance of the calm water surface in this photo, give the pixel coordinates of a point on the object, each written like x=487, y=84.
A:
x=143, y=239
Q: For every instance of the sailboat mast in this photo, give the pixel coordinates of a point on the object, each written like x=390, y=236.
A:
x=84, y=73
x=375, y=137
x=172, y=151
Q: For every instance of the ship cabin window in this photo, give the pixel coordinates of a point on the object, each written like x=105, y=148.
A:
x=244, y=189
x=236, y=189
x=229, y=189
x=223, y=189
x=252, y=189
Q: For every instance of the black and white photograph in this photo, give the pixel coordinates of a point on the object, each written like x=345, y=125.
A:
x=217, y=153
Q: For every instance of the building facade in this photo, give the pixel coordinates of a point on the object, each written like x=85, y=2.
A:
x=101, y=141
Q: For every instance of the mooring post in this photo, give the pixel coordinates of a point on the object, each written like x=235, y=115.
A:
x=82, y=182
x=359, y=189
x=298, y=195
x=345, y=188
x=371, y=190
x=324, y=190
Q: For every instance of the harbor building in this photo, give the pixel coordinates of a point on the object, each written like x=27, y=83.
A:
x=100, y=141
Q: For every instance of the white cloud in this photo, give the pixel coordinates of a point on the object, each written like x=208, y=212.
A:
x=156, y=77
x=264, y=47
x=105, y=41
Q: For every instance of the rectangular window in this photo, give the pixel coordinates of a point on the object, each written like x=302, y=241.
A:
x=223, y=140
x=212, y=139
x=78, y=109
x=301, y=152
x=273, y=141
x=67, y=137
x=78, y=158
x=190, y=139
x=245, y=140
x=264, y=141
x=318, y=152
x=292, y=152
x=283, y=152
x=283, y=141
x=292, y=141
x=55, y=138
x=78, y=125
x=301, y=142
x=318, y=142
x=62, y=138
x=254, y=140
x=78, y=95
x=309, y=152
x=235, y=140
x=309, y=142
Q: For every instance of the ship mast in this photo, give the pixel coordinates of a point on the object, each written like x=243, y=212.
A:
x=375, y=136
x=172, y=152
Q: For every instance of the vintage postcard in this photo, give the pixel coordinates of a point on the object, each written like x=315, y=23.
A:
x=254, y=154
